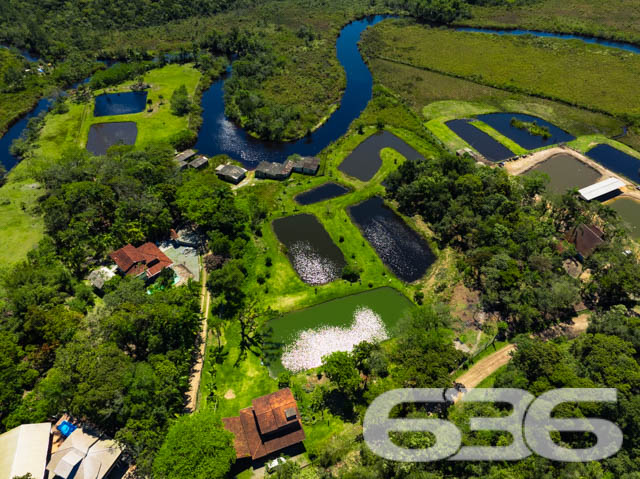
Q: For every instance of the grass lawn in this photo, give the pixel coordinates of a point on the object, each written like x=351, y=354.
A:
x=21, y=228
x=586, y=75
x=72, y=129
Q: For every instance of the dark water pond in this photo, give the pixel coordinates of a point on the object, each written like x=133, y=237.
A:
x=502, y=123
x=103, y=136
x=321, y=193
x=120, y=103
x=220, y=135
x=616, y=161
x=364, y=162
x=629, y=211
x=401, y=248
x=560, y=36
x=312, y=252
x=491, y=149
x=566, y=172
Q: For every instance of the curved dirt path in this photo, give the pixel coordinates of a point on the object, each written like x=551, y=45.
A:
x=486, y=366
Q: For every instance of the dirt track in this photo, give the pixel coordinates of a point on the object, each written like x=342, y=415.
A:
x=196, y=372
x=486, y=366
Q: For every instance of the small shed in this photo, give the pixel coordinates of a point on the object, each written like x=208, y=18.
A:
x=185, y=156
x=98, y=277
x=231, y=173
x=199, y=163
x=307, y=165
x=274, y=171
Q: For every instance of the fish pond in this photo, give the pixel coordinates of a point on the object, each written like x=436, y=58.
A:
x=321, y=193
x=312, y=252
x=103, y=136
x=298, y=340
x=365, y=161
x=503, y=123
x=402, y=249
x=491, y=149
x=629, y=211
x=566, y=172
x=120, y=103
x=616, y=161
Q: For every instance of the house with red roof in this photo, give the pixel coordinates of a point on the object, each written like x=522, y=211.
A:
x=271, y=425
x=145, y=261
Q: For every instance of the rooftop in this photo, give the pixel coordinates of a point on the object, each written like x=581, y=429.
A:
x=147, y=259
x=271, y=424
x=185, y=155
x=601, y=188
x=24, y=450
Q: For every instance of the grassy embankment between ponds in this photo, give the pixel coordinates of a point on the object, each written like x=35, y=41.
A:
x=619, y=20
x=72, y=129
x=495, y=73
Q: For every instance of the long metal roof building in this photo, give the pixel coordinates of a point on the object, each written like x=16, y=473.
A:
x=601, y=188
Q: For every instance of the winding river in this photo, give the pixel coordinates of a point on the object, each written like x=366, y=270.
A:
x=220, y=135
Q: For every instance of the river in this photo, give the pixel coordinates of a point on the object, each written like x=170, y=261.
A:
x=220, y=135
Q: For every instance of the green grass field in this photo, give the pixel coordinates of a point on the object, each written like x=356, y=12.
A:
x=617, y=20
x=22, y=227
x=591, y=76
x=72, y=129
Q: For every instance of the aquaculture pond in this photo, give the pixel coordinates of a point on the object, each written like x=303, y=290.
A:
x=402, y=249
x=616, y=161
x=120, y=103
x=312, y=252
x=502, y=122
x=491, y=149
x=103, y=136
x=321, y=193
x=629, y=211
x=566, y=172
x=298, y=340
x=364, y=162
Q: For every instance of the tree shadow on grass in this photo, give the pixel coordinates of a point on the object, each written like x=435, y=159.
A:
x=339, y=404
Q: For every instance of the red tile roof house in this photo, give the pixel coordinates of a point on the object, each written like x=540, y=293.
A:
x=145, y=261
x=271, y=425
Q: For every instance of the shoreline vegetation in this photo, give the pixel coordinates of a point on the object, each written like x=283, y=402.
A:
x=532, y=127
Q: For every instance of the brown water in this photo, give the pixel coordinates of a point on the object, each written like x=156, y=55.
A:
x=566, y=172
x=629, y=211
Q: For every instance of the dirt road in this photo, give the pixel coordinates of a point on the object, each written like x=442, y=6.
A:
x=486, y=366
x=196, y=372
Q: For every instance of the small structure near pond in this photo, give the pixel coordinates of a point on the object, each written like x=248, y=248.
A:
x=585, y=238
x=231, y=173
x=601, y=188
x=270, y=425
x=199, y=163
x=307, y=165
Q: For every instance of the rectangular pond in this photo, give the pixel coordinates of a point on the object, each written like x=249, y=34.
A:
x=566, y=172
x=103, y=136
x=298, y=340
x=364, y=162
x=629, y=211
x=312, y=252
x=120, y=103
x=321, y=193
x=616, y=161
x=402, y=249
x=491, y=149
x=501, y=122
